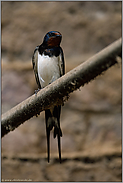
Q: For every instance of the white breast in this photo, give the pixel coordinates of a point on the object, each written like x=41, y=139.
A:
x=48, y=69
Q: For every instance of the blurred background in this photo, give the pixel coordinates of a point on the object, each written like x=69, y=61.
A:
x=90, y=119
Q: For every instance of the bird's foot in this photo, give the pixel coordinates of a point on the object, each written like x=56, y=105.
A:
x=36, y=91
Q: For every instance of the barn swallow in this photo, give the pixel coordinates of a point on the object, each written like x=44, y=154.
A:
x=48, y=65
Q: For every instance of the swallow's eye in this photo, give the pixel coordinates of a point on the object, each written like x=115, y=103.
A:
x=51, y=34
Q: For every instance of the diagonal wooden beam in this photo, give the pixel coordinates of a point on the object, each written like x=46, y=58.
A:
x=56, y=92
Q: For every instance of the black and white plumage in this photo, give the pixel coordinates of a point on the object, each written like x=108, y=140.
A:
x=48, y=65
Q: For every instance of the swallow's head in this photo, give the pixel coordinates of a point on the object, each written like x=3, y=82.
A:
x=52, y=39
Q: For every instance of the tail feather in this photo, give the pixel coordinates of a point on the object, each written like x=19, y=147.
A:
x=59, y=147
x=53, y=120
x=48, y=144
x=57, y=131
x=49, y=127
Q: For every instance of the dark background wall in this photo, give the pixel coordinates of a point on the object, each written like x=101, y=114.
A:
x=90, y=119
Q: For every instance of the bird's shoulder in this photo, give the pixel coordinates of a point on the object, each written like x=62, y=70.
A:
x=62, y=62
x=35, y=56
x=35, y=62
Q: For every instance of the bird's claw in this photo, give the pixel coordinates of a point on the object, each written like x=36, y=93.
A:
x=36, y=91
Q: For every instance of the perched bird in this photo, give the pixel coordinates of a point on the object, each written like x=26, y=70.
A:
x=48, y=65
